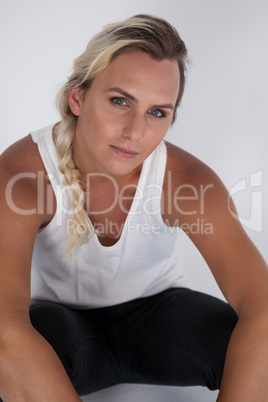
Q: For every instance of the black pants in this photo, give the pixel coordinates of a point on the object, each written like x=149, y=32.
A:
x=177, y=337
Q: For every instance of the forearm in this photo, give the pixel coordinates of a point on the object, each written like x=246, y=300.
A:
x=31, y=371
x=245, y=376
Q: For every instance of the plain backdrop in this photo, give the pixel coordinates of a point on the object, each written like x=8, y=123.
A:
x=222, y=120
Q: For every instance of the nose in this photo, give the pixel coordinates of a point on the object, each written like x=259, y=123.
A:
x=134, y=127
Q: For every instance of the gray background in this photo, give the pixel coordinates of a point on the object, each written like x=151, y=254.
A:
x=222, y=120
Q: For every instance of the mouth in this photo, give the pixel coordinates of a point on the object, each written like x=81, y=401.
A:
x=124, y=152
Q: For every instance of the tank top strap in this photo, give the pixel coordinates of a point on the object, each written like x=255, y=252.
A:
x=44, y=140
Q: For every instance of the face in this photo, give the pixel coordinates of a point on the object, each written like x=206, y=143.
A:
x=125, y=114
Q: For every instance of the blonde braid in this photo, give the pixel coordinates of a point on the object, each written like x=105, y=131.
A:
x=72, y=179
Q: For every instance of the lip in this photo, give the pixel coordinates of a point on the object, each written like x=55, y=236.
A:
x=124, y=152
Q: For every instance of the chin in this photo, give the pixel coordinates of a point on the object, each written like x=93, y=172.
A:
x=123, y=170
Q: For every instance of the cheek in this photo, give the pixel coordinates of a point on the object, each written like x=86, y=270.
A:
x=110, y=125
x=157, y=133
x=100, y=130
x=91, y=122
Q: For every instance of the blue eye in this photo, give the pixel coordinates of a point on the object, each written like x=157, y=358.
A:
x=118, y=101
x=157, y=113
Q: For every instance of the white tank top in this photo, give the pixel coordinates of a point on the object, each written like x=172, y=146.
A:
x=143, y=262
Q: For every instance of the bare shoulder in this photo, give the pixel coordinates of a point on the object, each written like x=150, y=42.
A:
x=22, y=156
x=191, y=188
x=19, y=165
x=20, y=169
x=186, y=168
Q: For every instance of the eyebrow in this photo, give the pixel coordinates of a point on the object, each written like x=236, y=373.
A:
x=131, y=97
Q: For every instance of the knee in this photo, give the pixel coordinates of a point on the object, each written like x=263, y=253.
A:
x=220, y=330
x=54, y=322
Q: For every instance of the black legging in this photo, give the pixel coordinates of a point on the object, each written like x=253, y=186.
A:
x=177, y=337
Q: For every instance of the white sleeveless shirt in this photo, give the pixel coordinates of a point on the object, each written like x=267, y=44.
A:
x=143, y=262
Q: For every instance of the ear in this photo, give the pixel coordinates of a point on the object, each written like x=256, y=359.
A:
x=75, y=100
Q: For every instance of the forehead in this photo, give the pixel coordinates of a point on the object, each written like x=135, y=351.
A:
x=140, y=74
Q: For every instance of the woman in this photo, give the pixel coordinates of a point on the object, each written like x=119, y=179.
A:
x=94, y=204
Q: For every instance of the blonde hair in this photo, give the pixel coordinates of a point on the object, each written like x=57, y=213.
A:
x=153, y=36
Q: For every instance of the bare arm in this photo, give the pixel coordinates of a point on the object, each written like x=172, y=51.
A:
x=240, y=272
x=30, y=370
